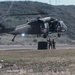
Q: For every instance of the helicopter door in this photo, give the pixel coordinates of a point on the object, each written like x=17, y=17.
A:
x=46, y=25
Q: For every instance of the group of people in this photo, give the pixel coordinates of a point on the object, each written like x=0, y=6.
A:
x=51, y=44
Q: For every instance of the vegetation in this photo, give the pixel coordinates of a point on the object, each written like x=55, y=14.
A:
x=50, y=62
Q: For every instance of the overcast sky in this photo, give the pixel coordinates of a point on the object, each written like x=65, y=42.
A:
x=53, y=2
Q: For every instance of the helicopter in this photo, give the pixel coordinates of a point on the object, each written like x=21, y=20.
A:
x=40, y=25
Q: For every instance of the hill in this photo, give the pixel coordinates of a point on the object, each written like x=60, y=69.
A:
x=65, y=13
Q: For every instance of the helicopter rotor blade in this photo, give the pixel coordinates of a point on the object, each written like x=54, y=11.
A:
x=24, y=14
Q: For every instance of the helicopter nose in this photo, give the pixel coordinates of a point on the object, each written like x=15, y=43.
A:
x=63, y=26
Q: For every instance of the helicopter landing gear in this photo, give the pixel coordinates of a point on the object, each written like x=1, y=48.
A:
x=13, y=38
x=45, y=35
x=59, y=34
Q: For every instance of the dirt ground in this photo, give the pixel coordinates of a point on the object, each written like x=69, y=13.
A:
x=24, y=58
x=37, y=62
x=34, y=46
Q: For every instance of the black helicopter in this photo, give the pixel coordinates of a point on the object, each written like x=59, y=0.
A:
x=43, y=26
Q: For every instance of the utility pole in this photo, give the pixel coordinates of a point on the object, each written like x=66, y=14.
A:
x=55, y=2
x=50, y=1
x=59, y=2
x=27, y=0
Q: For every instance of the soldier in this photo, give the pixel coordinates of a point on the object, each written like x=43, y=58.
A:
x=49, y=44
x=53, y=44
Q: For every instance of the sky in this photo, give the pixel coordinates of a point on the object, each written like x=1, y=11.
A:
x=53, y=2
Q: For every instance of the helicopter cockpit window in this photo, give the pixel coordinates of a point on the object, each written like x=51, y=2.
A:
x=46, y=25
x=63, y=26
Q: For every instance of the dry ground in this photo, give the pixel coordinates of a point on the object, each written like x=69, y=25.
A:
x=37, y=62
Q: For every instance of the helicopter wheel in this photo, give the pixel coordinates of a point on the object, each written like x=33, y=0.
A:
x=45, y=35
x=59, y=35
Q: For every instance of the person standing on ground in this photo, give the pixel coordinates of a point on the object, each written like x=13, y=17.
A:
x=49, y=44
x=53, y=44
